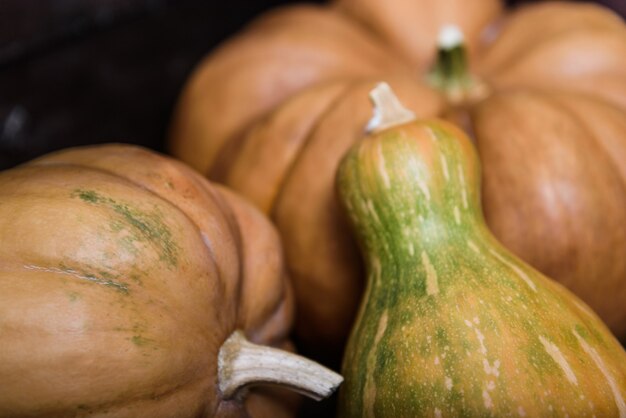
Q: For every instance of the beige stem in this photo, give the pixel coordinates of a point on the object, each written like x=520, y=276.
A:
x=388, y=111
x=242, y=364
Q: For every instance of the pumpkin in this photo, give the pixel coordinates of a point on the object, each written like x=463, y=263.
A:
x=541, y=90
x=132, y=287
x=452, y=323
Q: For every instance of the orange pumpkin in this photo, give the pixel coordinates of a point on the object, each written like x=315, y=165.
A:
x=128, y=281
x=541, y=90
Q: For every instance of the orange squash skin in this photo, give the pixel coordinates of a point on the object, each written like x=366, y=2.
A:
x=123, y=272
x=563, y=85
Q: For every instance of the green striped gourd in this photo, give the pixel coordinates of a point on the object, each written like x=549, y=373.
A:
x=453, y=324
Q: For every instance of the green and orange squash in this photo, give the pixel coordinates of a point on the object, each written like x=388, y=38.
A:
x=452, y=323
x=130, y=288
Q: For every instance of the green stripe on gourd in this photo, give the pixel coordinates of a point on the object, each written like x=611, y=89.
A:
x=453, y=324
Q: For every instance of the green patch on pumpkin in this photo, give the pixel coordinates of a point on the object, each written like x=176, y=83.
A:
x=88, y=196
x=147, y=226
x=106, y=279
x=141, y=341
x=136, y=278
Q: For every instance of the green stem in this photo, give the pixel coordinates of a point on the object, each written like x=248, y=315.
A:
x=451, y=74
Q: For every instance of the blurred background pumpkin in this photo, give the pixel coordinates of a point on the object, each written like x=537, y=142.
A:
x=272, y=111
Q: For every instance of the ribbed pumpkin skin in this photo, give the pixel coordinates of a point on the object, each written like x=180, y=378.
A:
x=453, y=324
x=280, y=86
x=122, y=273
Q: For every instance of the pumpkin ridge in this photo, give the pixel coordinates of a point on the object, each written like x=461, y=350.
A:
x=227, y=153
x=591, y=136
x=302, y=151
x=543, y=43
x=594, y=138
x=528, y=42
x=220, y=169
x=514, y=58
x=123, y=178
x=276, y=339
x=235, y=232
x=127, y=179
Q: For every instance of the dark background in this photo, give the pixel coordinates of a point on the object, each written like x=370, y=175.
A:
x=76, y=72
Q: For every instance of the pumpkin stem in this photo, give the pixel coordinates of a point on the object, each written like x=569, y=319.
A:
x=450, y=73
x=388, y=111
x=242, y=364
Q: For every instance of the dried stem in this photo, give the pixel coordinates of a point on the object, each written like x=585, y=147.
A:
x=388, y=111
x=243, y=364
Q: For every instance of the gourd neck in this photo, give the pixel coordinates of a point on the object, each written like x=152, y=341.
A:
x=451, y=73
x=410, y=188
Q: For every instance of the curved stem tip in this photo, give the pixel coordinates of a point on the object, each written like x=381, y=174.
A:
x=388, y=110
x=242, y=364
